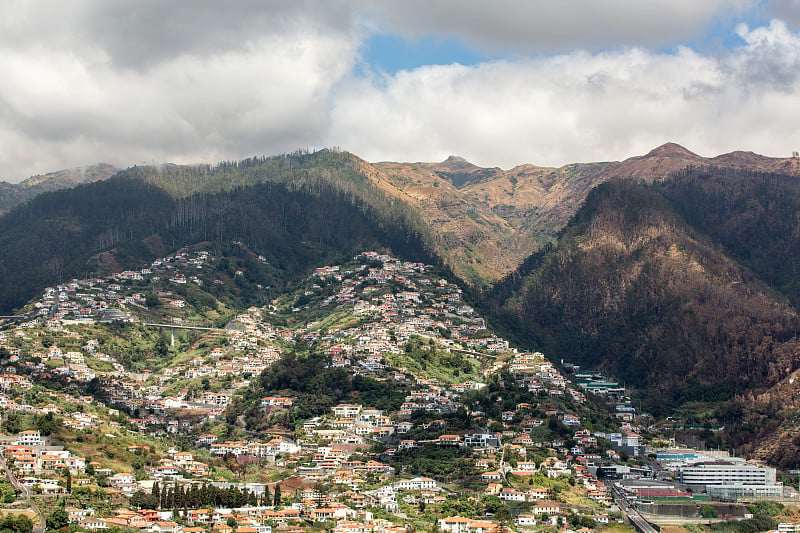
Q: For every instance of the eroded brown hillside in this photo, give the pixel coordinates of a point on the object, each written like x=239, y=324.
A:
x=487, y=221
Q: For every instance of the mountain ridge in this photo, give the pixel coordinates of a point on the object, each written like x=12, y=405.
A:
x=485, y=221
x=483, y=229
x=13, y=194
x=498, y=222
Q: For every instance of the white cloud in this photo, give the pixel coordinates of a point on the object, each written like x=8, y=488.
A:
x=139, y=34
x=271, y=96
x=581, y=106
x=771, y=58
x=182, y=81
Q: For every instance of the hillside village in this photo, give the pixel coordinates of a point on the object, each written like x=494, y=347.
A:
x=136, y=401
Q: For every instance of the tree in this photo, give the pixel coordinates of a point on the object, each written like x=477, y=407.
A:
x=156, y=493
x=58, y=519
x=502, y=515
x=151, y=300
x=162, y=346
x=47, y=424
x=277, y=497
x=706, y=511
x=68, y=483
x=9, y=495
x=492, y=503
x=174, y=499
x=194, y=497
x=179, y=496
x=142, y=500
x=18, y=523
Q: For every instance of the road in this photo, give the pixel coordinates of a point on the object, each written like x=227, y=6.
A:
x=25, y=492
x=641, y=525
x=178, y=326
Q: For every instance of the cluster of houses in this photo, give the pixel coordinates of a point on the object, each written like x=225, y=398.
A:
x=246, y=520
x=32, y=456
x=423, y=305
x=271, y=448
x=105, y=299
x=537, y=374
x=394, y=302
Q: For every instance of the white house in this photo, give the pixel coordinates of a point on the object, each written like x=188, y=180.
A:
x=418, y=483
x=526, y=520
x=29, y=438
x=511, y=495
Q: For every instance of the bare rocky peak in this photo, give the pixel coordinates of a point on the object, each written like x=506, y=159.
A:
x=672, y=150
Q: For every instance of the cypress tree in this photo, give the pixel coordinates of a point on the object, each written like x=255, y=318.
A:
x=68, y=474
x=178, y=495
x=194, y=497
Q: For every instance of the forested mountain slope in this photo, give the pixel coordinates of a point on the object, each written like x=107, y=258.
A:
x=126, y=221
x=632, y=288
x=754, y=216
x=13, y=194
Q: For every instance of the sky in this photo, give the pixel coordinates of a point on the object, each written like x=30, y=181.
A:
x=499, y=82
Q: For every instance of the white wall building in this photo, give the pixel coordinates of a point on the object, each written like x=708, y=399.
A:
x=29, y=438
x=726, y=473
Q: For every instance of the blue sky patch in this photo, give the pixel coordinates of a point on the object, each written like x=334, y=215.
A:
x=392, y=53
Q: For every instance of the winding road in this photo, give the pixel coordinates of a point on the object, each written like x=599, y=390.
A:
x=26, y=493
